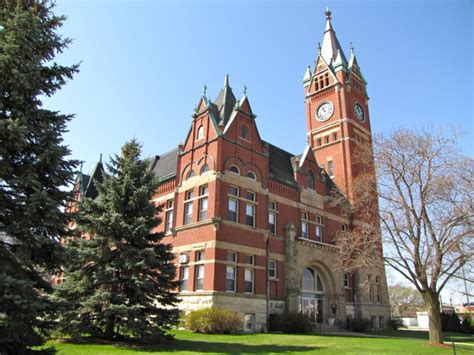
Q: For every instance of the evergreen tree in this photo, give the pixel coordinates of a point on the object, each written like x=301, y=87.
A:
x=34, y=168
x=121, y=280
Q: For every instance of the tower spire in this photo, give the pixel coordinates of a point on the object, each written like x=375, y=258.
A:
x=330, y=44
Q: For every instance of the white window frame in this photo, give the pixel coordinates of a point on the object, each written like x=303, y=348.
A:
x=272, y=266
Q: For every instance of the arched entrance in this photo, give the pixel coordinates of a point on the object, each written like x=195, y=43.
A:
x=312, y=296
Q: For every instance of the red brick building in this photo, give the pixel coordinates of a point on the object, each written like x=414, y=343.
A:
x=250, y=223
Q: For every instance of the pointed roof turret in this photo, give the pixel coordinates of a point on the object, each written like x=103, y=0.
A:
x=307, y=76
x=330, y=44
x=225, y=101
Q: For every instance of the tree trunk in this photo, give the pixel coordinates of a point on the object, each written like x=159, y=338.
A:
x=431, y=299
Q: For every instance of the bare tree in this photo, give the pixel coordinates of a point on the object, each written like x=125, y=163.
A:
x=404, y=299
x=424, y=207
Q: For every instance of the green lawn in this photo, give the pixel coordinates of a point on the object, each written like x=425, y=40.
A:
x=190, y=343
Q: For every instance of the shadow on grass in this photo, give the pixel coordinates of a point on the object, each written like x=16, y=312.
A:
x=199, y=347
x=422, y=334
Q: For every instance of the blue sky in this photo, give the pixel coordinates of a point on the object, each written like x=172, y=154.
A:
x=144, y=64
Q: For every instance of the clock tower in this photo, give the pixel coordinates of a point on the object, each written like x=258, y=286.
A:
x=337, y=114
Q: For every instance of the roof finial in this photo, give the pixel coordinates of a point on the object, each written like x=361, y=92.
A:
x=204, y=89
x=327, y=13
x=352, y=48
x=245, y=90
x=100, y=160
x=319, y=47
x=226, y=80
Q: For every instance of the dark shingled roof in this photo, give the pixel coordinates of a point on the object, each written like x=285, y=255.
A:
x=90, y=190
x=225, y=102
x=281, y=165
x=164, y=166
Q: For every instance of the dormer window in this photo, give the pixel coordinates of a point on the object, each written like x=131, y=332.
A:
x=244, y=132
x=251, y=176
x=234, y=169
x=200, y=133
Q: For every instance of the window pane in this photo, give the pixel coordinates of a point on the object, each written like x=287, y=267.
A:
x=230, y=278
x=308, y=283
x=234, y=191
x=249, y=280
x=250, y=196
x=233, y=207
x=250, y=214
x=231, y=257
x=203, y=209
x=188, y=212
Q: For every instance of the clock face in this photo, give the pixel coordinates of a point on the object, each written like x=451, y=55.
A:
x=324, y=111
x=359, y=112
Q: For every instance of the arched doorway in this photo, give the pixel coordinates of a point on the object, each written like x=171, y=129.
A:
x=311, y=300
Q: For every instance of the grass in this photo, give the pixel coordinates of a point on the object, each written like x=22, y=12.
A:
x=191, y=343
x=421, y=334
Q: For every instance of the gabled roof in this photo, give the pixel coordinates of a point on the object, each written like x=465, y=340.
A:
x=89, y=181
x=164, y=166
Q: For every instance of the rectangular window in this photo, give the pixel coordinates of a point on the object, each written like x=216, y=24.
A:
x=183, y=278
x=250, y=214
x=199, y=256
x=249, y=322
x=326, y=139
x=230, y=278
x=199, y=285
x=203, y=209
x=272, y=269
x=250, y=196
x=330, y=168
x=319, y=142
x=188, y=195
x=168, y=221
x=188, y=212
x=319, y=233
x=234, y=191
x=369, y=279
x=272, y=221
x=334, y=136
x=233, y=210
x=344, y=227
x=249, y=278
x=346, y=280
x=380, y=322
x=272, y=216
x=304, y=230
x=231, y=257
x=319, y=220
x=250, y=259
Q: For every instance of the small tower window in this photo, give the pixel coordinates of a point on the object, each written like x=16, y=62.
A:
x=311, y=180
x=251, y=176
x=244, y=132
x=326, y=79
x=330, y=168
x=326, y=139
x=200, y=133
x=234, y=169
x=334, y=136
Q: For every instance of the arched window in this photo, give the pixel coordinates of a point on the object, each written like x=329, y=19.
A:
x=200, y=132
x=251, y=176
x=191, y=174
x=244, y=132
x=204, y=169
x=234, y=169
x=311, y=282
x=310, y=180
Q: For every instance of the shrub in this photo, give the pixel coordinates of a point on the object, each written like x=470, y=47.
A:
x=214, y=321
x=467, y=324
x=360, y=324
x=394, y=324
x=290, y=323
